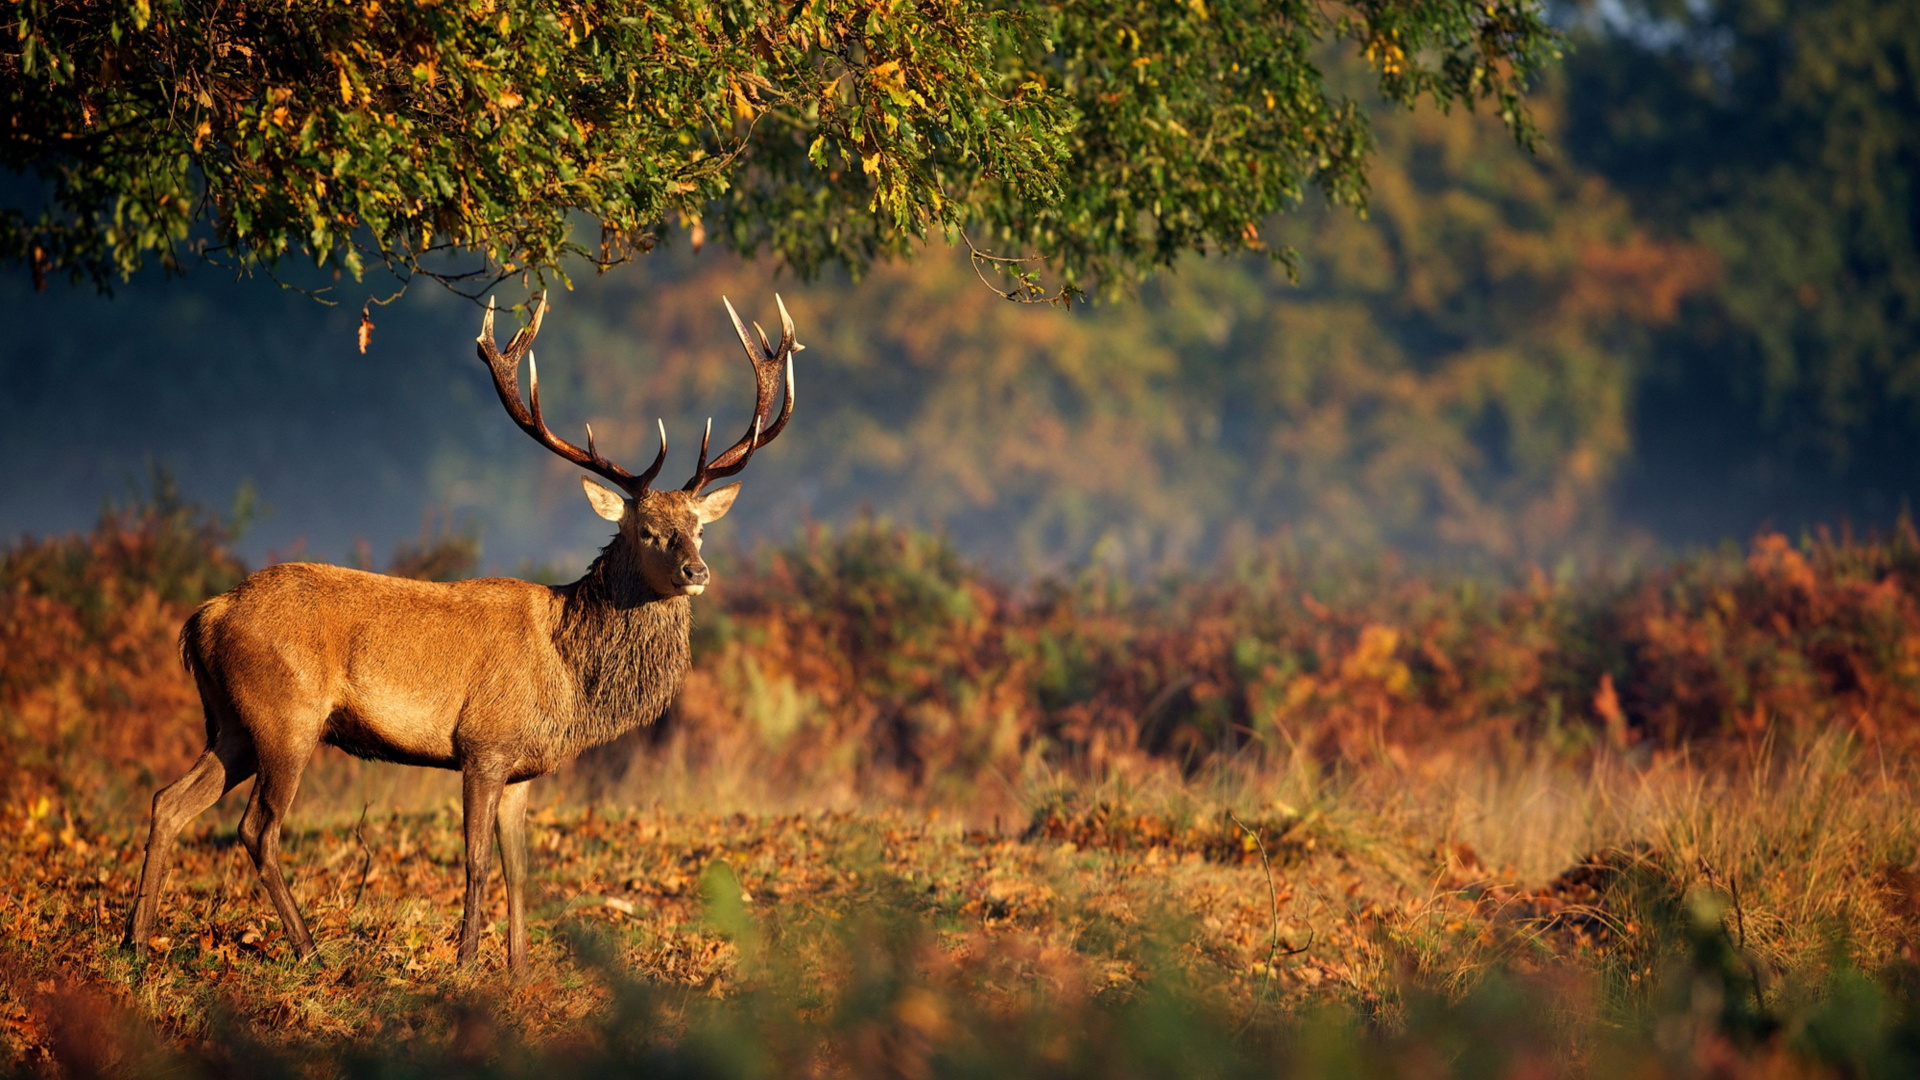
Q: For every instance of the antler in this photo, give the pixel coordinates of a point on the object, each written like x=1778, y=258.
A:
x=506, y=380
x=767, y=362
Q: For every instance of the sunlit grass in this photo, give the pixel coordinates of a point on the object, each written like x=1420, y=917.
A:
x=1386, y=887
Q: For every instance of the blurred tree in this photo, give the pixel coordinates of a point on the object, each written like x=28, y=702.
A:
x=1785, y=138
x=1107, y=137
x=1456, y=373
x=1452, y=376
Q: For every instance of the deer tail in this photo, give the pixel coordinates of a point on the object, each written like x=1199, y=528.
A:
x=191, y=637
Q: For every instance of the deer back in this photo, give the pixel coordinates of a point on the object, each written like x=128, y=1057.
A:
x=434, y=673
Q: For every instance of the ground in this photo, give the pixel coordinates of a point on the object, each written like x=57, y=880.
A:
x=1260, y=906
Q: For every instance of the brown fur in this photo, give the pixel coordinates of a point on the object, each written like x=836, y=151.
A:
x=627, y=651
x=500, y=679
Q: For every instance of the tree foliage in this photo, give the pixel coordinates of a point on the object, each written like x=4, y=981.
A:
x=1110, y=137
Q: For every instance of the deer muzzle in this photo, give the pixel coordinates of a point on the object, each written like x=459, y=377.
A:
x=692, y=577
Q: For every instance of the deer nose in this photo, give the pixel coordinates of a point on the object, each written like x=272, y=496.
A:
x=694, y=573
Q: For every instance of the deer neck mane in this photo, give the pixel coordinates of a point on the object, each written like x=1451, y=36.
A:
x=625, y=645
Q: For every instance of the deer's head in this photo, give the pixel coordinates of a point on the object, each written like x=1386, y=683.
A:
x=661, y=529
x=662, y=532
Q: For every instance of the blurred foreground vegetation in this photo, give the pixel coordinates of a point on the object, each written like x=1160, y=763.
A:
x=888, y=946
x=1294, y=818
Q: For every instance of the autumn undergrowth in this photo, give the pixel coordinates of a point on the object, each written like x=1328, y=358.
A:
x=899, y=825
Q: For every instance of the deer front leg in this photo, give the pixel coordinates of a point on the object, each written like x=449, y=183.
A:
x=480, y=790
x=512, y=826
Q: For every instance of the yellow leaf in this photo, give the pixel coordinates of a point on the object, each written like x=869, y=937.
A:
x=870, y=164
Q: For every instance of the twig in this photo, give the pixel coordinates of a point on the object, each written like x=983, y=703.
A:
x=1274, y=951
x=213, y=908
x=375, y=301
x=317, y=295
x=1027, y=291
x=1732, y=890
x=366, y=866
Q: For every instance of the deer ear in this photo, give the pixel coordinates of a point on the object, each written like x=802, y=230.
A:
x=714, y=505
x=605, y=503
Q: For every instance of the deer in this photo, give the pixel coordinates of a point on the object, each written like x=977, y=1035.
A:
x=498, y=679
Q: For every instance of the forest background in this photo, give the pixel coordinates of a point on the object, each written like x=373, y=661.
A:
x=1694, y=314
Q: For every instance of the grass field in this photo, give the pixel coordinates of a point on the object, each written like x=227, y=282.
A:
x=1586, y=902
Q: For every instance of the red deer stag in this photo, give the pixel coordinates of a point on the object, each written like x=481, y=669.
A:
x=502, y=680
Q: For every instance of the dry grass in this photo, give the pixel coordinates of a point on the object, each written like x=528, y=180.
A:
x=1441, y=875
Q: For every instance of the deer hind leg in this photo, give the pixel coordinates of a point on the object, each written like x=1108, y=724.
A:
x=260, y=832
x=512, y=828
x=229, y=762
